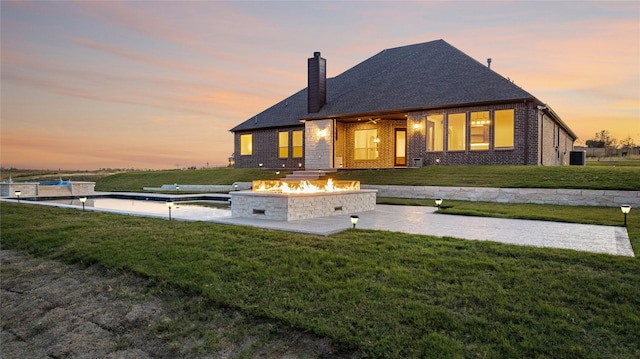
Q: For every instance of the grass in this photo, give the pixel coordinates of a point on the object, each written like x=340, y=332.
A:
x=586, y=177
x=135, y=181
x=621, y=175
x=386, y=294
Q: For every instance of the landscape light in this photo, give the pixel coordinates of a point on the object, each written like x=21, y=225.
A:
x=18, y=193
x=170, y=205
x=354, y=220
x=260, y=165
x=177, y=187
x=83, y=200
x=235, y=186
x=625, y=208
x=438, y=202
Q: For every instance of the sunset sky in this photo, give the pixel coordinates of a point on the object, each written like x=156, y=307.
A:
x=158, y=84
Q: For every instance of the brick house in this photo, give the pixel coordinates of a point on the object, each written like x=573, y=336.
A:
x=416, y=105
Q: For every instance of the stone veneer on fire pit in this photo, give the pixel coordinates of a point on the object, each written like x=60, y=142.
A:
x=291, y=207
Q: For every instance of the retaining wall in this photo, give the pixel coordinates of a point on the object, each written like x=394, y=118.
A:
x=565, y=197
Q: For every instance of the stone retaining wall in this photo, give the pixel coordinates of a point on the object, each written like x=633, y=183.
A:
x=565, y=197
x=35, y=189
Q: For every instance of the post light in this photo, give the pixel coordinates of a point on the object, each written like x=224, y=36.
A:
x=18, y=193
x=354, y=220
x=625, y=208
x=170, y=205
x=437, y=161
x=83, y=200
x=438, y=202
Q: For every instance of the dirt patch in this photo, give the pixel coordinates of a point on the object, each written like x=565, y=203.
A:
x=55, y=310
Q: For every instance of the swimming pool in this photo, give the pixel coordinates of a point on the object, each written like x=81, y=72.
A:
x=200, y=210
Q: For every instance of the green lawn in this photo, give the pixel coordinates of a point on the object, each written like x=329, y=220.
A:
x=625, y=177
x=390, y=295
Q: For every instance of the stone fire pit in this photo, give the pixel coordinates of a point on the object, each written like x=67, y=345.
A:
x=294, y=200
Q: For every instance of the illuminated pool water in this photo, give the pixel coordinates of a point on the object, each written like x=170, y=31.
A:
x=200, y=210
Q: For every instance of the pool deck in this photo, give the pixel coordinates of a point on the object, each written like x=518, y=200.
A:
x=612, y=240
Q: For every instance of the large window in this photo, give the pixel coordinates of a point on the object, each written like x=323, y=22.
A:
x=297, y=143
x=246, y=145
x=504, y=129
x=366, y=144
x=456, y=132
x=435, y=132
x=480, y=125
x=283, y=144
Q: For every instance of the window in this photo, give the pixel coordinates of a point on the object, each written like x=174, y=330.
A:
x=480, y=125
x=456, y=132
x=366, y=144
x=297, y=143
x=435, y=132
x=283, y=144
x=246, y=144
x=504, y=129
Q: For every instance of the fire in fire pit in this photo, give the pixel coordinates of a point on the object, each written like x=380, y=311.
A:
x=315, y=186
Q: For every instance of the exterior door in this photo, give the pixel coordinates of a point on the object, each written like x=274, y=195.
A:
x=400, y=147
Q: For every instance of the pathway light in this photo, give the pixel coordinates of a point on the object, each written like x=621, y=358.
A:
x=18, y=193
x=625, y=208
x=170, y=205
x=438, y=202
x=83, y=200
x=354, y=220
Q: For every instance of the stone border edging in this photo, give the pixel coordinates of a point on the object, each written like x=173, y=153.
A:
x=565, y=197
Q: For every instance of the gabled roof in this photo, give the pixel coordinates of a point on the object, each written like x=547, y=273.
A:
x=414, y=77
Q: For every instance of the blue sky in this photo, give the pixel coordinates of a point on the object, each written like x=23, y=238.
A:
x=158, y=84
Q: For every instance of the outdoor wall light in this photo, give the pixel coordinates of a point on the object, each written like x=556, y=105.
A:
x=625, y=208
x=18, y=193
x=169, y=205
x=354, y=220
x=416, y=126
x=376, y=140
x=322, y=133
x=83, y=200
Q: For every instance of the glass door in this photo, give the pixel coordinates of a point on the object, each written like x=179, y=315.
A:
x=401, y=147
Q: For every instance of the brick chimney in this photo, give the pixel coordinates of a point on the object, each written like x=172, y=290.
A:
x=317, y=83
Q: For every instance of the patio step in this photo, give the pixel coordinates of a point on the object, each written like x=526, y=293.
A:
x=309, y=175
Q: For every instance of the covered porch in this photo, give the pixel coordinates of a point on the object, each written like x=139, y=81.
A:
x=368, y=141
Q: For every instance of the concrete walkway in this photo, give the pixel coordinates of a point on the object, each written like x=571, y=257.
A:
x=423, y=220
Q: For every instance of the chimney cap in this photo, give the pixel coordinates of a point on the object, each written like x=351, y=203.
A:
x=316, y=54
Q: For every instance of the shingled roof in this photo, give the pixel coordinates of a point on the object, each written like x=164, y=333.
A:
x=428, y=75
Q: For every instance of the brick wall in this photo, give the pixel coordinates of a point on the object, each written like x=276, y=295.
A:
x=265, y=150
x=524, y=150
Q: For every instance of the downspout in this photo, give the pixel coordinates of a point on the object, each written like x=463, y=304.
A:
x=333, y=145
x=542, y=109
x=526, y=133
